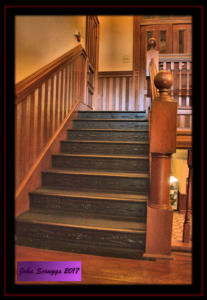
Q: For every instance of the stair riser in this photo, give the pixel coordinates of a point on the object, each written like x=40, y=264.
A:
x=100, y=207
x=108, y=136
x=112, y=183
x=80, y=248
x=104, y=148
x=124, y=165
x=112, y=115
x=109, y=124
x=60, y=233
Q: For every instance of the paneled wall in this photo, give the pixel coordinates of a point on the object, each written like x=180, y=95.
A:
x=115, y=91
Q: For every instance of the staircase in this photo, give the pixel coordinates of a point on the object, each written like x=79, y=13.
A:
x=93, y=199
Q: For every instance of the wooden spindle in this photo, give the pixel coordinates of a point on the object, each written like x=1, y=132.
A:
x=180, y=84
x=187, y=222
x=188, y=85
x=172, y=71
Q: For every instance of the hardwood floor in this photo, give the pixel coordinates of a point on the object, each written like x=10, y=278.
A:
x=117, y=271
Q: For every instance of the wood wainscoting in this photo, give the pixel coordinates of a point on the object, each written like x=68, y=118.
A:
x=115, y=92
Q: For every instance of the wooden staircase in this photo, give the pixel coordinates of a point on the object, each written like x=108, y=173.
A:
x=93, y=199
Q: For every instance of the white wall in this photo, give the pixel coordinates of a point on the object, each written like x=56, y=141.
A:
x=116, y=43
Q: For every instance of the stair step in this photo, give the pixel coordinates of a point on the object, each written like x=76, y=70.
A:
x=108, y=134
x=109, y=205
x=111, y=123
x=112, y=114
x=105, y=162
x=105, y=147
x=70, y=232
x=101, y=180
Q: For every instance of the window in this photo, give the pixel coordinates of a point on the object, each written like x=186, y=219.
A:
x=162, y=41
x=149, y=35
x=181, y=41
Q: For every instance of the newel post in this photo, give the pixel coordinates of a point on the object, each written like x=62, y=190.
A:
x=162, y=145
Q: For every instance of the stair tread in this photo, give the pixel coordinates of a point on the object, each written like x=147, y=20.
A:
x=91, y=194
x=103, y=156
x=113, y=130
x=106, y=142
x=113, y=120
x=82, y=221
x=98, y=173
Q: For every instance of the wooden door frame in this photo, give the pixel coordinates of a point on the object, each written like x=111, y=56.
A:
x=95, y=17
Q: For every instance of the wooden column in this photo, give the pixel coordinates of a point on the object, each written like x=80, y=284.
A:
x=187, y=222
x=162, y=145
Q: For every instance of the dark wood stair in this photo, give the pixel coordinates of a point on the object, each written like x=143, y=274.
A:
x=93, y=199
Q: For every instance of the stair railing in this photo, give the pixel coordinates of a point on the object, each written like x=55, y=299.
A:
x=42, y=102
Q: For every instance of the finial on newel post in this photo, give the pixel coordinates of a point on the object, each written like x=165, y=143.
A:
x=163, y=81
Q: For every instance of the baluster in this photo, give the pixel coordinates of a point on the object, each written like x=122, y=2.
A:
x=188, y=85
x=63, y=95
x=172, y=71
x=164, y=65
x=32, y=129
x=180, y=85
x=45, y=99
x=51, y=107
x=18, y=141
x=187, y=222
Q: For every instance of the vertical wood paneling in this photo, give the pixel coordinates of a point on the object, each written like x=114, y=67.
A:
x=117, y=94
x=110, y=93
x=123, y=93
x=104, y=94
x=115, y=91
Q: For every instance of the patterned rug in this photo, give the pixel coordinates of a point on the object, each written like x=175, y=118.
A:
x=178, y=221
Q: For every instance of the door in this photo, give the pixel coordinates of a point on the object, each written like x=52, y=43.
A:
x=170, y=38
x=92, y=49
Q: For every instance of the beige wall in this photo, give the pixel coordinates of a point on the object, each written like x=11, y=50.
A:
x=179, y=168
x=116, y=43
x=41, y=39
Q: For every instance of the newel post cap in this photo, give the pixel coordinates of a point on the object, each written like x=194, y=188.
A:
x=163, y=81
x=152, y=43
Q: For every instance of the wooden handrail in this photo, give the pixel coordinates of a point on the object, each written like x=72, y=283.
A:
x=24, y=87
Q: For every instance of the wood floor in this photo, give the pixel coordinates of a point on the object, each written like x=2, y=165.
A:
x=106, y=270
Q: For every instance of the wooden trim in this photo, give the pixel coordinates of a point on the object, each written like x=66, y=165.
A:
x=169, y=19
x=23, y=88
x=175, y=57
x=115, y=74
x=33, y=178
x=184, y=139
x=182, y=198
